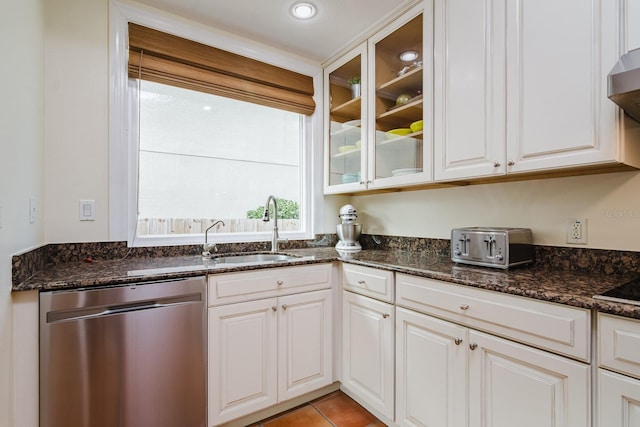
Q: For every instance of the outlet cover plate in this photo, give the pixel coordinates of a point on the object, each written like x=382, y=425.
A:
x=577, y=231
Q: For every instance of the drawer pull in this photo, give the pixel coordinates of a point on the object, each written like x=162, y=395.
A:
x=464, y=306
x=280, y=282
x=274, y=308
x=385, y=315
x=361, y=282
x=458, y=341
x=284, y=306
x=473, y=346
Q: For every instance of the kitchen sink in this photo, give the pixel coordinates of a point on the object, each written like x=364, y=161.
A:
x=253, y=258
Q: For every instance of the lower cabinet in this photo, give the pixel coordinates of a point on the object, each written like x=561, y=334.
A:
x=268, y=351
x=367, y=351
x=619, y=371
x=619, y=400
x=452, y=376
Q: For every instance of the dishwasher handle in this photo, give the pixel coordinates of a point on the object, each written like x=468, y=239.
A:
x=96, y=312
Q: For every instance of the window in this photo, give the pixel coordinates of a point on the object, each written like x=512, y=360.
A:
x=180, y=158
x=204, y=157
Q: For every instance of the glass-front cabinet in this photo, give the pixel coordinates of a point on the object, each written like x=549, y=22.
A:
x=400, y=64
x=345, y=135
x=383, y=137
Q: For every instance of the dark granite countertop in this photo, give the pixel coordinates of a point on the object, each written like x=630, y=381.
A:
x=537, y=281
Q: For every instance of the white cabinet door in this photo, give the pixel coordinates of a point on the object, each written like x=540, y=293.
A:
x=367, y=351
x=619, y=400
x=243, y=347
x=305, y=343
x=514, y=385
x=469, y=89
x=431, y=371
x=521, y=86
x=558, y=58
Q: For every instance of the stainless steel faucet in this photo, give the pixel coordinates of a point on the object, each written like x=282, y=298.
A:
x=275, y=238
x=206, y=249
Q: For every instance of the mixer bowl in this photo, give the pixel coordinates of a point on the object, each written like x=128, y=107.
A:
x=349, y=233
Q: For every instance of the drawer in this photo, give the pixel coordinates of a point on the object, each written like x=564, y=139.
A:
x=554, y=327
x=267, y=283
x=619, y=344
x=372, y=282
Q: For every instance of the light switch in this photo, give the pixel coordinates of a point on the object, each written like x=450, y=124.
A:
x=32, y=209
x=87, y=210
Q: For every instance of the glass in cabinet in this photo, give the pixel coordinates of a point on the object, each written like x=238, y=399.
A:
x=345, y=94
x=399, y=64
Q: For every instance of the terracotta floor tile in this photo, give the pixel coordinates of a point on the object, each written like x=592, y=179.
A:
x=343, y=411
x=306, y=416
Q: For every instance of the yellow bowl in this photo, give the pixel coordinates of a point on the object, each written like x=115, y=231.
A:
x=346, y=148
x=416, y=126
x=398, y=132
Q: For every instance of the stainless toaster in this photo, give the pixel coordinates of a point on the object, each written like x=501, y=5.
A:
x=499, y=247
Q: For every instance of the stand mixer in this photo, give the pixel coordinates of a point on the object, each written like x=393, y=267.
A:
x=348, y=231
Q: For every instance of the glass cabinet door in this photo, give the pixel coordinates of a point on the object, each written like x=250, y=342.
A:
x=399, y=61
x=346, y=147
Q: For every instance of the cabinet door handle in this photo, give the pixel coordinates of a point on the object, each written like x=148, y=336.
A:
x=473, y=346
x=458, y=341
x=496, y=164
x=464, y=306
x=274, y=308
x=385, y=315
x=284, y=306
x=280, y=282
x=510, y=163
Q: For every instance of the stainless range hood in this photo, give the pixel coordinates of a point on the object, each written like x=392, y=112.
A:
x=624, y=83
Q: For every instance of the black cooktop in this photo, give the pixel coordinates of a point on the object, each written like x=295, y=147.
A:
x=628, y=293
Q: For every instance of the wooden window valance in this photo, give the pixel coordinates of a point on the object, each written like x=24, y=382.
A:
x=168, y=59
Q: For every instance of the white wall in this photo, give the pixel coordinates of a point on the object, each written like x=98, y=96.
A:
x=76, y=121
x=21, y=165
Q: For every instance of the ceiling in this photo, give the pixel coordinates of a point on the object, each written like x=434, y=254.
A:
x=337, y=23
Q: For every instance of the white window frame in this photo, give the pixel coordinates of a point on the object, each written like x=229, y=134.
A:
x=123, y=133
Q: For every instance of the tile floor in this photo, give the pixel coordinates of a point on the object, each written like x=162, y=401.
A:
x=333, y=410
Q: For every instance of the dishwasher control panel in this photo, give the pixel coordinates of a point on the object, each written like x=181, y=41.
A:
x=499, y=247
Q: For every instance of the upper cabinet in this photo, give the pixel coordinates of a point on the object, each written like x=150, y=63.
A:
x=383, y=137
x=345, y=136
x=499, y=87
x=522, y=87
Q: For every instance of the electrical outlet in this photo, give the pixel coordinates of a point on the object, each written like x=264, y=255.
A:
x=577, y=231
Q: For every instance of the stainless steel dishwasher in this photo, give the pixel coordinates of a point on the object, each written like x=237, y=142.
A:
x=126, y=356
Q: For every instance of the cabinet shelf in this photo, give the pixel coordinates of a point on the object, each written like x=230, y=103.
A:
x=410, y=82
x=415, y=137
x=400, y=116
x=347, y=153
x=350, y=109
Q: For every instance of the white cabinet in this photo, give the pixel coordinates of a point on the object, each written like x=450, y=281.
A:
x=521, y=87
x=619, y=391
x=243, y=357
x=431, y=371
x=367, y=351
x=512, y=384
x=368, y=341
x=266, y=351
x=450, y=374
x=370, y=142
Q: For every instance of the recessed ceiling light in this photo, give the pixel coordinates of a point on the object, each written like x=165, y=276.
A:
x=409, y=55
x=303, y=10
